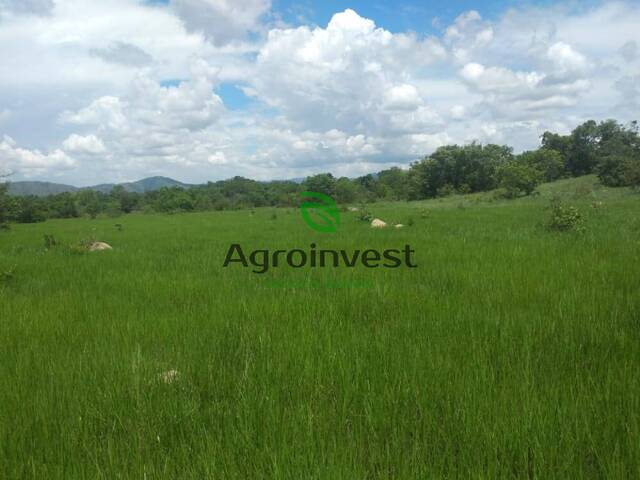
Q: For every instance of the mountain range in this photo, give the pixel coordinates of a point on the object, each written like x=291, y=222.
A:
x=42, y=189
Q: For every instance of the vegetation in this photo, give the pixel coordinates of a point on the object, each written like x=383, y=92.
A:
x=510, y=352
x=609, y=149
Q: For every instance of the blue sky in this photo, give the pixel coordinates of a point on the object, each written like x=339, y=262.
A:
x=395, y=16
x=95, y=91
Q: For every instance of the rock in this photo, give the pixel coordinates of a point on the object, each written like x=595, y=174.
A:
x=377, y=223
x=99, y=246
x=354, y=209
x=399, y=225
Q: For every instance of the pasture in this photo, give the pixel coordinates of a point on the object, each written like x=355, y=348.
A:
x=510, y=352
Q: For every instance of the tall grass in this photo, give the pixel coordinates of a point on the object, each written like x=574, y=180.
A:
x=511, y=352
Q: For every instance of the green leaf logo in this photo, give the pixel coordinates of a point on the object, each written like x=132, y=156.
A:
x=320, y=212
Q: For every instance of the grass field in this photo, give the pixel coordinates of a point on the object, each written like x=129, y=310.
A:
x=511, y=352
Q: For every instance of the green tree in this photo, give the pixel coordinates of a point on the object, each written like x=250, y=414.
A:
x=127, y=201
x=7, y=205
x=469, y=168
x=547, y=161
x=345, y=191
x=557, y=142
x=395, y=181
x=30, y=210
x=322, y=183
x=518, y=179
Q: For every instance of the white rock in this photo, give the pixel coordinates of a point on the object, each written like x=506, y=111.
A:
x=399, y=225
x=377, y=223
x=99, y=246
x=354, y=209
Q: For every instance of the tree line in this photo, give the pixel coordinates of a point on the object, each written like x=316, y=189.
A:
x=609, y=149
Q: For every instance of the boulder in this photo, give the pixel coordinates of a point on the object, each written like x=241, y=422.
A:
x=377, y=223
x=99, y=246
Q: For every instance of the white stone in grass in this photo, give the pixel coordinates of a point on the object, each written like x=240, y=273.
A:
x=399, y=225
x=377, y=223
x=99, y=246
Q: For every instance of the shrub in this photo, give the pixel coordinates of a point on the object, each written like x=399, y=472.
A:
x=619, y=171
x=7, y=275
x=548, y=162
x=464, y=189
x=518, y=179
x=49, y=242
x=564, y=218
x=446, y=190
x=365, y=216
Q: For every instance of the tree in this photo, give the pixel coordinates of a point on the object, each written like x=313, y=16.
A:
x=559, y=143
x=345, y=191
x=619, y=171
x=127, y=200
x=468, y=168
x=395, y=183
x=547, y=161
x=322, y=183
x=30, y=210
x=6, y=203
x=582, y=157
x=62, y=205
x=518, y=179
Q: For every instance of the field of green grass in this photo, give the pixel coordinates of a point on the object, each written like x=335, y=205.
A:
x=510, y=352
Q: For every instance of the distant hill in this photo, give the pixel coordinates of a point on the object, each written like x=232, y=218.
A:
x=42, y=189
x=153, y=183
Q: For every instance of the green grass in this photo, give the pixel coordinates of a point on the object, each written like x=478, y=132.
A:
x=511, y=352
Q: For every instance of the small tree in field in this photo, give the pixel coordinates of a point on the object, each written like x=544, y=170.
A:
x=565, y=218
x=518, y=179
x=6, y=203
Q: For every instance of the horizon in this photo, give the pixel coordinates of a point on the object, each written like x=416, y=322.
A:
x=271, y=90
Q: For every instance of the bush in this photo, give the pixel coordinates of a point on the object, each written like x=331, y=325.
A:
x=619, y=171
x=7, y=275
x=518, y=179
x=565, y=218
x=446, y=190
x=49, y=242
x=548, y=162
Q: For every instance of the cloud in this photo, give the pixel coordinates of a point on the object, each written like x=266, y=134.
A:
x=124, y=89
x=221, y=21
x=629, y=51
x=34, y=7
x=191, y=105
x=14, y=158
x=350, y=75
x=123, y=53
x=89, y=144
x=466, y=35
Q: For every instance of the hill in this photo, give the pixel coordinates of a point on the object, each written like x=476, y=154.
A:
x=42, y=189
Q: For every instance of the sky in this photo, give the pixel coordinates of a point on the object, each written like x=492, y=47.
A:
x=197, y=90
